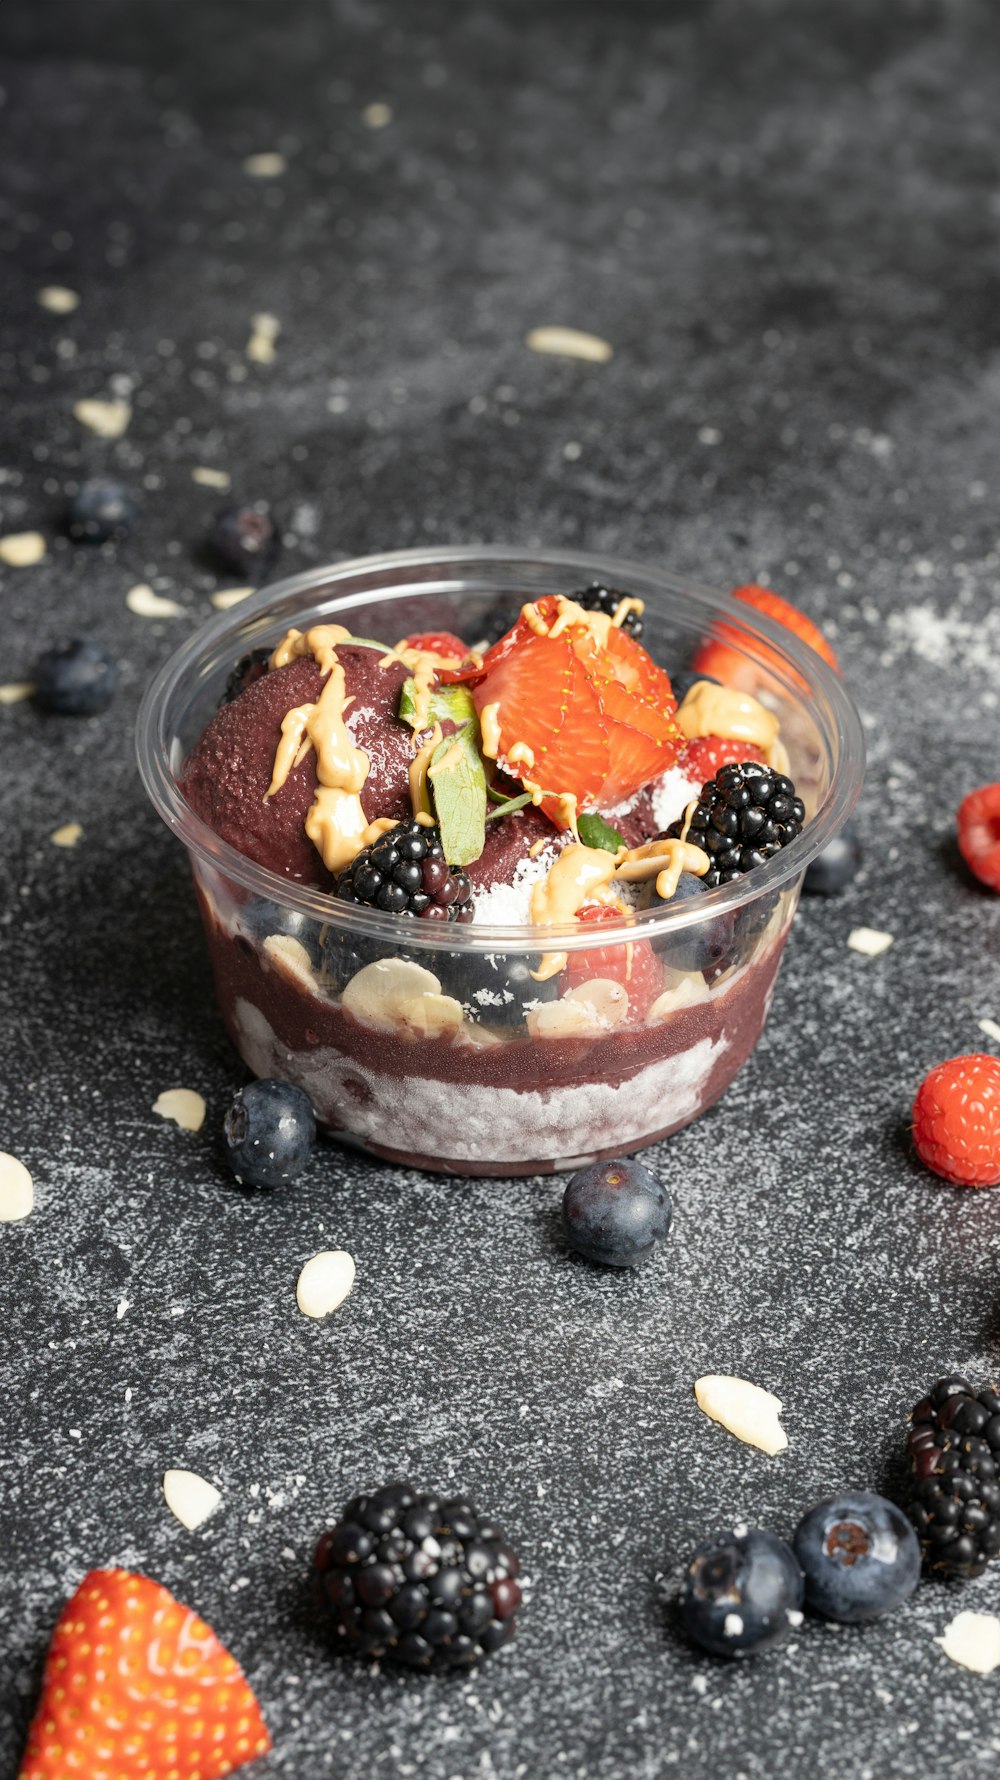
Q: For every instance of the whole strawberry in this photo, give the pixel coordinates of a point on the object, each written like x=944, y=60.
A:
x=956, y=1120
x=979, y=834
x=137, y=1685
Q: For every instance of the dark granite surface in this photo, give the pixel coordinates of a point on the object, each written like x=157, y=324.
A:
x=785, y=220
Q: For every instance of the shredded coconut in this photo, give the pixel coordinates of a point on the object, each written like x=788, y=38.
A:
x=509, y=905
x=671, y=795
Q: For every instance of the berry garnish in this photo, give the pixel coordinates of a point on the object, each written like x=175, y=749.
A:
x=742, y=1593
x=956, y=1120
x=437, y=642
x=859, y=1555
x=596, y=598
x=726, y=660
x=99, y=510
x=743, y=817
x=702, y=758
x=837, y=866
x=136, y=1684
x=420, y=1579
x=245, y=540
x=498, y=988
x=616, y=1213
x=76, y=679
x=955, y=1453
x=405, y=872
x=634, y=964
x=248, y=669
x=979, y=834
x=703, y=946
x=269, y=1132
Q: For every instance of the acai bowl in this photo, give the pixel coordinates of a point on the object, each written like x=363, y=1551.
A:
x=465, y=876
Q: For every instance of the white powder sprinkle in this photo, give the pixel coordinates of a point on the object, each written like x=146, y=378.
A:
x=671, y=795
x=732, y=1626
x=509, y=905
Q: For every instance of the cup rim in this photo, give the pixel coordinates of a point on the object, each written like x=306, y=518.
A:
x=842, y=733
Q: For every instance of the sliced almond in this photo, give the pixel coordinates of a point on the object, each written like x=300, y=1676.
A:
x=229, y=596
x=584, y=1011
x=269, y=165
x=569, y=343
x=67, y=835
x=184, y=1106
x=744, y=1409
x=58, y=299
x=973, y=1641
x=190, y=1497
x=393, y=995
x=108, y=419
x=324, y=1282
x=290, y=960
x=605, y=996
x=17, y=1193
x=209, y=478
x=21, y=550
x=689, y=990
x=871, y=942
x=15, y=691
x=146, y=604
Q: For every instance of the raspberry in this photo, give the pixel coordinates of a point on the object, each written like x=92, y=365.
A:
x=979, y=834
x=703, y=757
x=635, y=965
x=956, y=1120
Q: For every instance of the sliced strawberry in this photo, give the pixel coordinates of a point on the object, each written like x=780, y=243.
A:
x=979, y=834
x=702, y=758
x=632, y=963
x=137, y=1687
x=546, y=702
x=437, y=642
x=723, y=661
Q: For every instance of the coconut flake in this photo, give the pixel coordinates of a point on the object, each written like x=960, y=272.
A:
x=15, y=691
x=208, y=478
x=509, y=905
x=17, y=1193
x=743, y=1409
x=21, y=550
x=184, y=1105
x=670, y=796
x=871, y=942
x=58, y=299
x=67, y=835
x=973, y=1641
x=269, y=165
x=190, y=1497
x=108, y=419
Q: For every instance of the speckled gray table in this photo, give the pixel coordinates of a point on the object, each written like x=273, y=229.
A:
x=784, y=219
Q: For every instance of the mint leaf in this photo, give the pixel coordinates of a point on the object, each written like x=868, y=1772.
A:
x=458, y=783
x=453, y=704
x=369, y=643
x=509, y=805
x=595, y=832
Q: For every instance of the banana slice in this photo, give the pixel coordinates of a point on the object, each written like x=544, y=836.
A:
x=393, y=995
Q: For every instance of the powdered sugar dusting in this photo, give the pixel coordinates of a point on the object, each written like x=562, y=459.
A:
x=946, y=639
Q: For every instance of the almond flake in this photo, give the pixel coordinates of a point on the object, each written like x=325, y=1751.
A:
x=183, y=1105
x=209, y=478
x=269, y=165
x=230, y=596
x=14, y=691
x=57, y=299
x=569, y=343
x=190, y=1497
x=67, y=835
x=973, y=1640
x=869, y=941
x=260, y=346
x=377, y=115
x=21, y=550
x=743, y=1409
x=108, y=419
x=325, y=1282
x=17, y=1193
x=146, y=604
x=990, y=1027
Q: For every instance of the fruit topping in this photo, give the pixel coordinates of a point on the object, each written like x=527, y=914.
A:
x=137, y=1684
x=837, y=866
x=245, y=540
x=610, y=600
x=248, y=669
x=704, y=755
x=724, y=657
x=859, y=1555
x=405, y=872
x=743, y=817
x=499, y=989
x=955, y=1454
x=634, y=964
x=419, y=1579
x=742, y=1593
x=956, y=1120
x=101, y=509
x=616, y=1213
x=702, y=946
x=269, y=1132
x=436, y=642
x=76, y=679
x=979, y=834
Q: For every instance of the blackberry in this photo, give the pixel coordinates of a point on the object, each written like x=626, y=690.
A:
x=743, y=817
x=955, y=1453
x=596, y=598
x=248, y=669
x=417, y=1578
x=405, y=872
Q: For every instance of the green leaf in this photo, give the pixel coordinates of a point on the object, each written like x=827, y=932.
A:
x=509, y=805
x=452, y=704
x=458, y=784
x=595, y=832
x=369, y=643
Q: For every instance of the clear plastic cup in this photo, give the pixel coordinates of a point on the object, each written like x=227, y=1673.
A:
x=431, y=1044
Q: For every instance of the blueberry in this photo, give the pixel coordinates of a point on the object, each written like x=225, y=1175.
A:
x=742, y=1593
x=245, y=540
x=269, y=1132
x=497, y=989
x=860, y=1556
x=837, y=866
x=101, y=509
x=702, y=946
x=616, y=1212
x=683, y=681
x=77, y=678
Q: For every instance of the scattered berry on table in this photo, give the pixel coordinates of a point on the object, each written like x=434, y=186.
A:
x=421, y=1579
x=249, y=668
x=405, y=872
x=99, y=510
x=956, y=1120
x=742, y=1593
x=979, y=834
x=269, y=1133
x=633, y=963
x=743, y=816
x=122, y=1656
x=955, y=1453
x=616, y=1213
x=837, y=866
x=246, y=540
x=859, y=1555
x=596, y=598
x=702, y=758
x=75, y=679
x=723, y=657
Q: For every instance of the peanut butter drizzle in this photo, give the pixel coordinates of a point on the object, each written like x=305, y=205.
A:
x=489, y=724
x=719, y=710
x=624, y=607
x=321, y=642
x=420, y=798
x=664, y=860
x=579, y=874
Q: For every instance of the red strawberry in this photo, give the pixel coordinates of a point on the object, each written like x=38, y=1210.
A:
x=956, y=1120
x=702, y=758
x=722, y=661
x=634, y=964
x=546, y=701
x=137, y=1687
x=437, y=642
x=979, y=833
